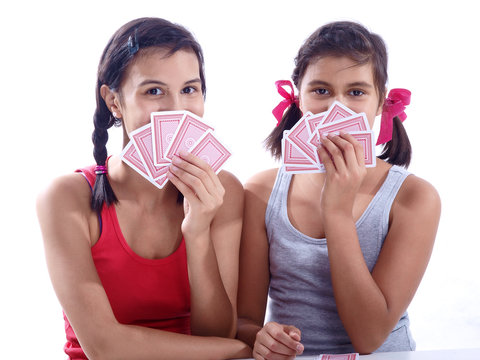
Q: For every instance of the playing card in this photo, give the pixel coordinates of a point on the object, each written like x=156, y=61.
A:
x=335, y=112
x=164, y=124
x=189, y=131
x=211, y=150
x=304, y=169
x=291, y=155
x=313, y=121
x=130, y=156
x=352, y=356
x=357, y=122
x=366, y=138
x=299, y=136
x=142, y=140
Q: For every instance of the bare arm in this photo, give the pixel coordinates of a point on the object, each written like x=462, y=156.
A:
x=65, y=219
x=370, y=304
x=272, y=340
x=212, y=228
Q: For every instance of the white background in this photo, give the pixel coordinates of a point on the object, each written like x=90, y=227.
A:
x=49, y=52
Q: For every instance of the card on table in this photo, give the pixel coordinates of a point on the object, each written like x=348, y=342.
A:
x=211, y=150
x=164, y=124
x=352, y=356
x=189, y=131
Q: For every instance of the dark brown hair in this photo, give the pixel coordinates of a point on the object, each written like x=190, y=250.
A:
x=118, y=54
x=345, y=38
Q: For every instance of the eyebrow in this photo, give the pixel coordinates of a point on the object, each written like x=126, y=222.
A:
x=353, y=84
x=158, y=82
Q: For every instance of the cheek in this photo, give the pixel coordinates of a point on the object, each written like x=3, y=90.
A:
x=198, y=107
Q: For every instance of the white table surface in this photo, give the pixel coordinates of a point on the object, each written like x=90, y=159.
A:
x=456, y=354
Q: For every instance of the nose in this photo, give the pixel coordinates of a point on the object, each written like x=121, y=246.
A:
x=340, y=98
x=173, y=103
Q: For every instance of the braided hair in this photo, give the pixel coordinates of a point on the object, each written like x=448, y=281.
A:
x=118, y=54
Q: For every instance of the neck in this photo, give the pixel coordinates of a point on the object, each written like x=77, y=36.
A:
x=131, y=186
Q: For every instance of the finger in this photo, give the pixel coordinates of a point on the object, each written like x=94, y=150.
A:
x=335, y=152
x=188, y=170
x=195, y=160
x=326, y=159
x=186, y=191
x=278, y=334
x=347, y=147
x=359, y=153
x=264, y=352
x=293, y=331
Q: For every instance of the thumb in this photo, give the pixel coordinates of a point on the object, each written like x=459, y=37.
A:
x=294, y=332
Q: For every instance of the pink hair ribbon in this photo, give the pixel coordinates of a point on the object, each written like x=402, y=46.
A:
x=394, y=105
x=289, y=99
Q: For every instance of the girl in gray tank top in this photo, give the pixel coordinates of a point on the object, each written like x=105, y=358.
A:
x=338, y=254
x=300, y=270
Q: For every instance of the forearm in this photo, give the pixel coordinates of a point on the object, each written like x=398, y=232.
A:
x=361, y=305
x=247, y=331
x=212, y=313
x=142, y=343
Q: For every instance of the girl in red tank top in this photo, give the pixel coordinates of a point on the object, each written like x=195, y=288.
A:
x=143, y=272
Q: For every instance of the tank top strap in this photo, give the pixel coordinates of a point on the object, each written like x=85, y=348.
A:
x=278, y=196
x=90, y=176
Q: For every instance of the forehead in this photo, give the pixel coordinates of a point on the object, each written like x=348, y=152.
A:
x=338, y=70
x=157, y=62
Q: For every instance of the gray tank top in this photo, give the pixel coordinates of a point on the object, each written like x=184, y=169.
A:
x=301, y=293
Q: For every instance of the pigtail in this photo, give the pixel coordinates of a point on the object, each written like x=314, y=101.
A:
x=102, y=190
x=273, y=142
x=398, y=151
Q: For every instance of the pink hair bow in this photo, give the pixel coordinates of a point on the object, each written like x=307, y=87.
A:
x=290, y=98
x=394, y=105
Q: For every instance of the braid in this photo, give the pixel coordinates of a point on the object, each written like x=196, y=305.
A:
x=102, y=190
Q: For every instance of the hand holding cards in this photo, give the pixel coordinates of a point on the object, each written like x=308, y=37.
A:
x=152, y=147
x=299, y=144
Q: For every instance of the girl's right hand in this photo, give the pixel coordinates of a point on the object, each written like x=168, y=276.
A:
x=276, y=341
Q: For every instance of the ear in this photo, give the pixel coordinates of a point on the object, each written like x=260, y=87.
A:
x=112, y=101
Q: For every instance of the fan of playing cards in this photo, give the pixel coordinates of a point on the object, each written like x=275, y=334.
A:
x=299, y=144
x=152, y=147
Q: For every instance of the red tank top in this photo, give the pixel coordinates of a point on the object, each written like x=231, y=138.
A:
x=153, y=293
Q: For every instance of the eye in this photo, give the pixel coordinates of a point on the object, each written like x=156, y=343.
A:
x=356, y=93
x=321, y=91
x=155, y=91
x=189, y=90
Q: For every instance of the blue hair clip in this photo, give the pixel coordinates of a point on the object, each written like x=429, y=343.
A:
x=132, y=43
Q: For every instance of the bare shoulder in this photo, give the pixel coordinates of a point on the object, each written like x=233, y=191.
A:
x=260, y=185
x=70, y=190
x=418, y=193
x=63, y=210
x=229, y=181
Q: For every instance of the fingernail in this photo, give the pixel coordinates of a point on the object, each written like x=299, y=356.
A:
x=299, y=348
x=183, y=153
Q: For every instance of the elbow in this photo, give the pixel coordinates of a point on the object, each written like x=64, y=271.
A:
x=101, y=346
x=367, y=343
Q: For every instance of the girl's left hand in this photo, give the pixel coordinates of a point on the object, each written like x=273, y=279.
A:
x=343, y=158
x=202, y=190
